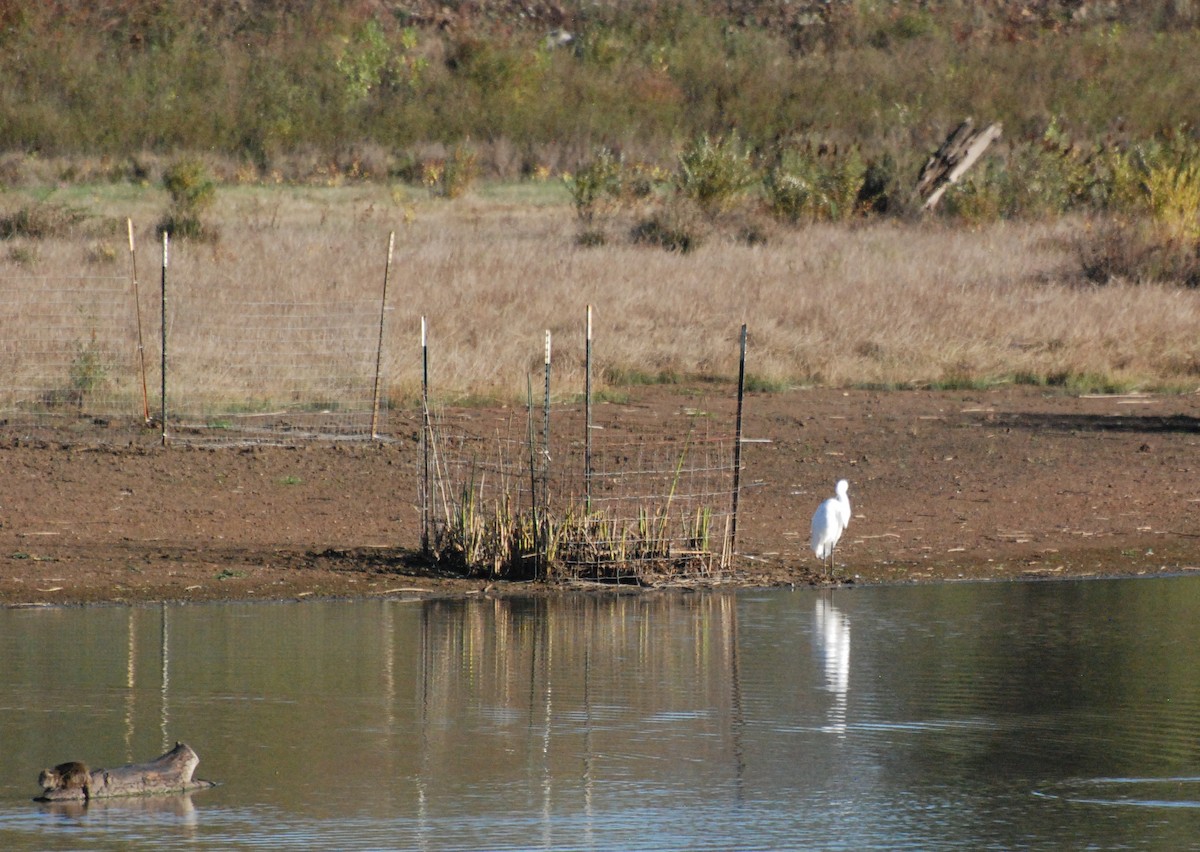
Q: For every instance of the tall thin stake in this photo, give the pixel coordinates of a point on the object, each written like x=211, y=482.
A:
x=163, y=401
x=533, y=501
x=387, y=269
x=424, y=440
x=546, y=434
x=737, y=442
x=137, y=306
x=587, y=418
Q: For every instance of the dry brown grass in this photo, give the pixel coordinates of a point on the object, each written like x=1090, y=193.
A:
x=889, y=304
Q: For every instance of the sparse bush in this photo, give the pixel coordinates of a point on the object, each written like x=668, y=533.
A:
x=605, y=185
x=24, y=255
x=1054, y=176
x=453, y=176
x=462, y=168
x=766, y=384
x=591, y=238
x=1136, y=251
x=980, y=198
x=101, y=254
x=88, y=368
x=40, y=221
x=677, y=227
x=878, y=191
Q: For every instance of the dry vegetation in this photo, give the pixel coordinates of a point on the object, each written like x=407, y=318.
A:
x=884, y=304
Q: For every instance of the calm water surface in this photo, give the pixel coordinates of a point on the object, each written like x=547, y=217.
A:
x=1046, y=715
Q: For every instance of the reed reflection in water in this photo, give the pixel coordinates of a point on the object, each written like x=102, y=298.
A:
x=967, y=716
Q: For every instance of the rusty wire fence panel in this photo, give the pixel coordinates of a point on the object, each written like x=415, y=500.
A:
x=68, y=347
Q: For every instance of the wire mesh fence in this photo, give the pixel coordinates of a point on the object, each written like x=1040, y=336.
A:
x=554, y=492
x=210, y=361
x=265, y=370
x=638, y=504
x=69, y=347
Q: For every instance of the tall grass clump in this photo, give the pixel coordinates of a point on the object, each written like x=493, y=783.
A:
x=820, y=184
x=499, y=540
x=715, y=172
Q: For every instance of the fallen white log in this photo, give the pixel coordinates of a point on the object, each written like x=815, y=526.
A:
x=951, y=161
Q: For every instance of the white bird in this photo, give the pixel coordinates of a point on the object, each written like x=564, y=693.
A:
x=828, y=523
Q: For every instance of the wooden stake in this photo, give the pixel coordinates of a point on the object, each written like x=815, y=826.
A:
x=424, y=440
x=387, y=269
x=137, y=306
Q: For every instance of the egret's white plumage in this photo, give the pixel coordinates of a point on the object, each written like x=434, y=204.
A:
x=829, y=521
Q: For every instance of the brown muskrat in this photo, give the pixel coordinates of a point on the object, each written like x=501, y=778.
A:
x=67, y=776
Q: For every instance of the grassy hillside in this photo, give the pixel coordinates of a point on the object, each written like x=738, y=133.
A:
x=373, y=88
x=670, y=122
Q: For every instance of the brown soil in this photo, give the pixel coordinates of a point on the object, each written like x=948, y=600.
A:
x=1005, y=484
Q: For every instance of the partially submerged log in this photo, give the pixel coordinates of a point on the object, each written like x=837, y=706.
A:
x=170, y=773
x=950, y=162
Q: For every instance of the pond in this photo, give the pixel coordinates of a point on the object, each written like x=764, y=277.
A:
x=1026, y=715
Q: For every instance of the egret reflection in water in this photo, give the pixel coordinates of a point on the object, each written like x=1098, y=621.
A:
x=831, y=628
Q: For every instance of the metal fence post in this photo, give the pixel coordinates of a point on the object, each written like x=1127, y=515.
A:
x=737, y=442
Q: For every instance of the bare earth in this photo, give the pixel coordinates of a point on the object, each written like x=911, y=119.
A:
x=1005, y=484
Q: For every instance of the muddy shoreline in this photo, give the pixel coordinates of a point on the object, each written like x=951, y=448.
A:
x=1013, y=483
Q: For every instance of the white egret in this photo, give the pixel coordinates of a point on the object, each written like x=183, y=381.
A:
x=828, y=523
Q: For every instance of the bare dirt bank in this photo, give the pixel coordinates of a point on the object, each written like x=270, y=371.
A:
x=1002, y=484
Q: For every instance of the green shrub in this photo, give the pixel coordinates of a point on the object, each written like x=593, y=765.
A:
x=1053, y=175
x=24, y=255
x=363, y=61
x=193, y=192
x=88, y=369
x=595, y=184
x=591, y=238
x=1174, y=196
x=981, y=198
x=604, y=186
